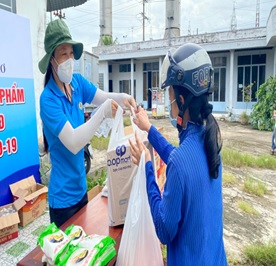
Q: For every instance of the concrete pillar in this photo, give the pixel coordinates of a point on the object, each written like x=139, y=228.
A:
x=172, y=19
x=105, y=19
x=230, y=103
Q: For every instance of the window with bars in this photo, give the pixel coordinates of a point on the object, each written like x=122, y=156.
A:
x=219, y=79
x=126, y=68
x=251, y=74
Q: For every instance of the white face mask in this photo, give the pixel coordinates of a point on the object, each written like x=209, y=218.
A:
x=65, y=70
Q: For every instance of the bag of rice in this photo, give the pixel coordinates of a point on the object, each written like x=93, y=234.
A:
x=75, y=233
x=89, y=250
x=79, y=256
x=106, y=257
x=53, y=243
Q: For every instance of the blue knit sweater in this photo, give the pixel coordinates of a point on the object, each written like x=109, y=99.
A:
x=188, y=217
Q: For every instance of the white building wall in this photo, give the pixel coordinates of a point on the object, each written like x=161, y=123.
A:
x=87, y=65
x=103, y=70
x=35, y=11
x=270, y=63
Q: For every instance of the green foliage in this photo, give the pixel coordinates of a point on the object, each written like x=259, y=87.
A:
x=44, y=171
x=127, y=122
x=238, y=159
x=233, y=261
x=108, y=40
x=100, y=143
x=261, y=254
x=255, y=187
x=228, y=179
x=96, y=179
x=246, y=207
x=262, y=112
x=244, y=118
x=164, y=251
x=247, y=92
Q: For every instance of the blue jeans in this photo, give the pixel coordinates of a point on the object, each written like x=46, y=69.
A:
x=273, y=139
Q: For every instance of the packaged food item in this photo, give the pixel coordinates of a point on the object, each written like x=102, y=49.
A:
x=106, y=257
x=75, y=233
x=89, y=250
x=79, y=256
x=53, y=243
x=73, y=247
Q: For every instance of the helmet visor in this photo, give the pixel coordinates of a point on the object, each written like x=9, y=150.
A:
x=164, y=68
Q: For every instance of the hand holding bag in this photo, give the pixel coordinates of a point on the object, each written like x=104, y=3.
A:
x=139, y=244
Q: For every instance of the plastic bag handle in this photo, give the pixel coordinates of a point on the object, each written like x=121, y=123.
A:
x=118, y=126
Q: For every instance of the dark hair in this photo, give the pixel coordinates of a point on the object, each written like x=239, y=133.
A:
x=201, y=113
x=47, y=78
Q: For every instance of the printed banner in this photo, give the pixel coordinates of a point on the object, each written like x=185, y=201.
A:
x=19, y=156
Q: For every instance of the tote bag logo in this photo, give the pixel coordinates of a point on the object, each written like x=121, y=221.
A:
x=120, y=152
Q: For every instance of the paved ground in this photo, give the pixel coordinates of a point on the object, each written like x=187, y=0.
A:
x=13, y=251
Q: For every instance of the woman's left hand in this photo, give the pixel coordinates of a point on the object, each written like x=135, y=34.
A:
x=137, y=149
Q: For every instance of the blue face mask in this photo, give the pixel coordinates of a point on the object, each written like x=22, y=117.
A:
x=173, y=120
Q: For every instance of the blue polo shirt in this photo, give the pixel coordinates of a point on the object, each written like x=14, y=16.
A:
x=67, y=183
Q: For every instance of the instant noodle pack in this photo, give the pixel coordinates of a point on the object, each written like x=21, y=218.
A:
x=74, y=247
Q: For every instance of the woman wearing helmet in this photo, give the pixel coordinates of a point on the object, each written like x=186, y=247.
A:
x=188, y=217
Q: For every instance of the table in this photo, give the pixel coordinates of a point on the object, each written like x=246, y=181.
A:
x=93, y=218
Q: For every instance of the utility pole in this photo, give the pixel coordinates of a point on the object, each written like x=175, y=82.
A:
x=234, y=19
x=144, y=18
x=257, y=23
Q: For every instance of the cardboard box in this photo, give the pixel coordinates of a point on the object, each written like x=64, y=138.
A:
x=92, y=193
x=34, y=195
x=9, y=222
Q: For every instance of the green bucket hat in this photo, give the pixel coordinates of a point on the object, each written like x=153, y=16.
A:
x=57, y=33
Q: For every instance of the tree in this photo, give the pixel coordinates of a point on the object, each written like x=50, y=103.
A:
x=107, y=40
x=262, y=112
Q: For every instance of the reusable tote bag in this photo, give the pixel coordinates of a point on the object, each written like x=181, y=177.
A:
x=139, y=244
x=120, y=168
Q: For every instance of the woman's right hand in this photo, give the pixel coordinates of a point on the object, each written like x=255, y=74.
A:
x=142, y=119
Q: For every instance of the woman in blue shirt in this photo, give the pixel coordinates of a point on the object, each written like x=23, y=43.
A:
x=61, y=111
x=188, y=216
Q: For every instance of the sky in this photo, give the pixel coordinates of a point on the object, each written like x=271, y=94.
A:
x=204, y=16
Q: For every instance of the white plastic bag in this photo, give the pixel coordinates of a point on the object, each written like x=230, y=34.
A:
x=104, y=127
x=139, y=244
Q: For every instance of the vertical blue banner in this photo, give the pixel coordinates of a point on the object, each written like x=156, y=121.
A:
x=19, y=156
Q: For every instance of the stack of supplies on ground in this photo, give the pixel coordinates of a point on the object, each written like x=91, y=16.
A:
x=75, y=247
